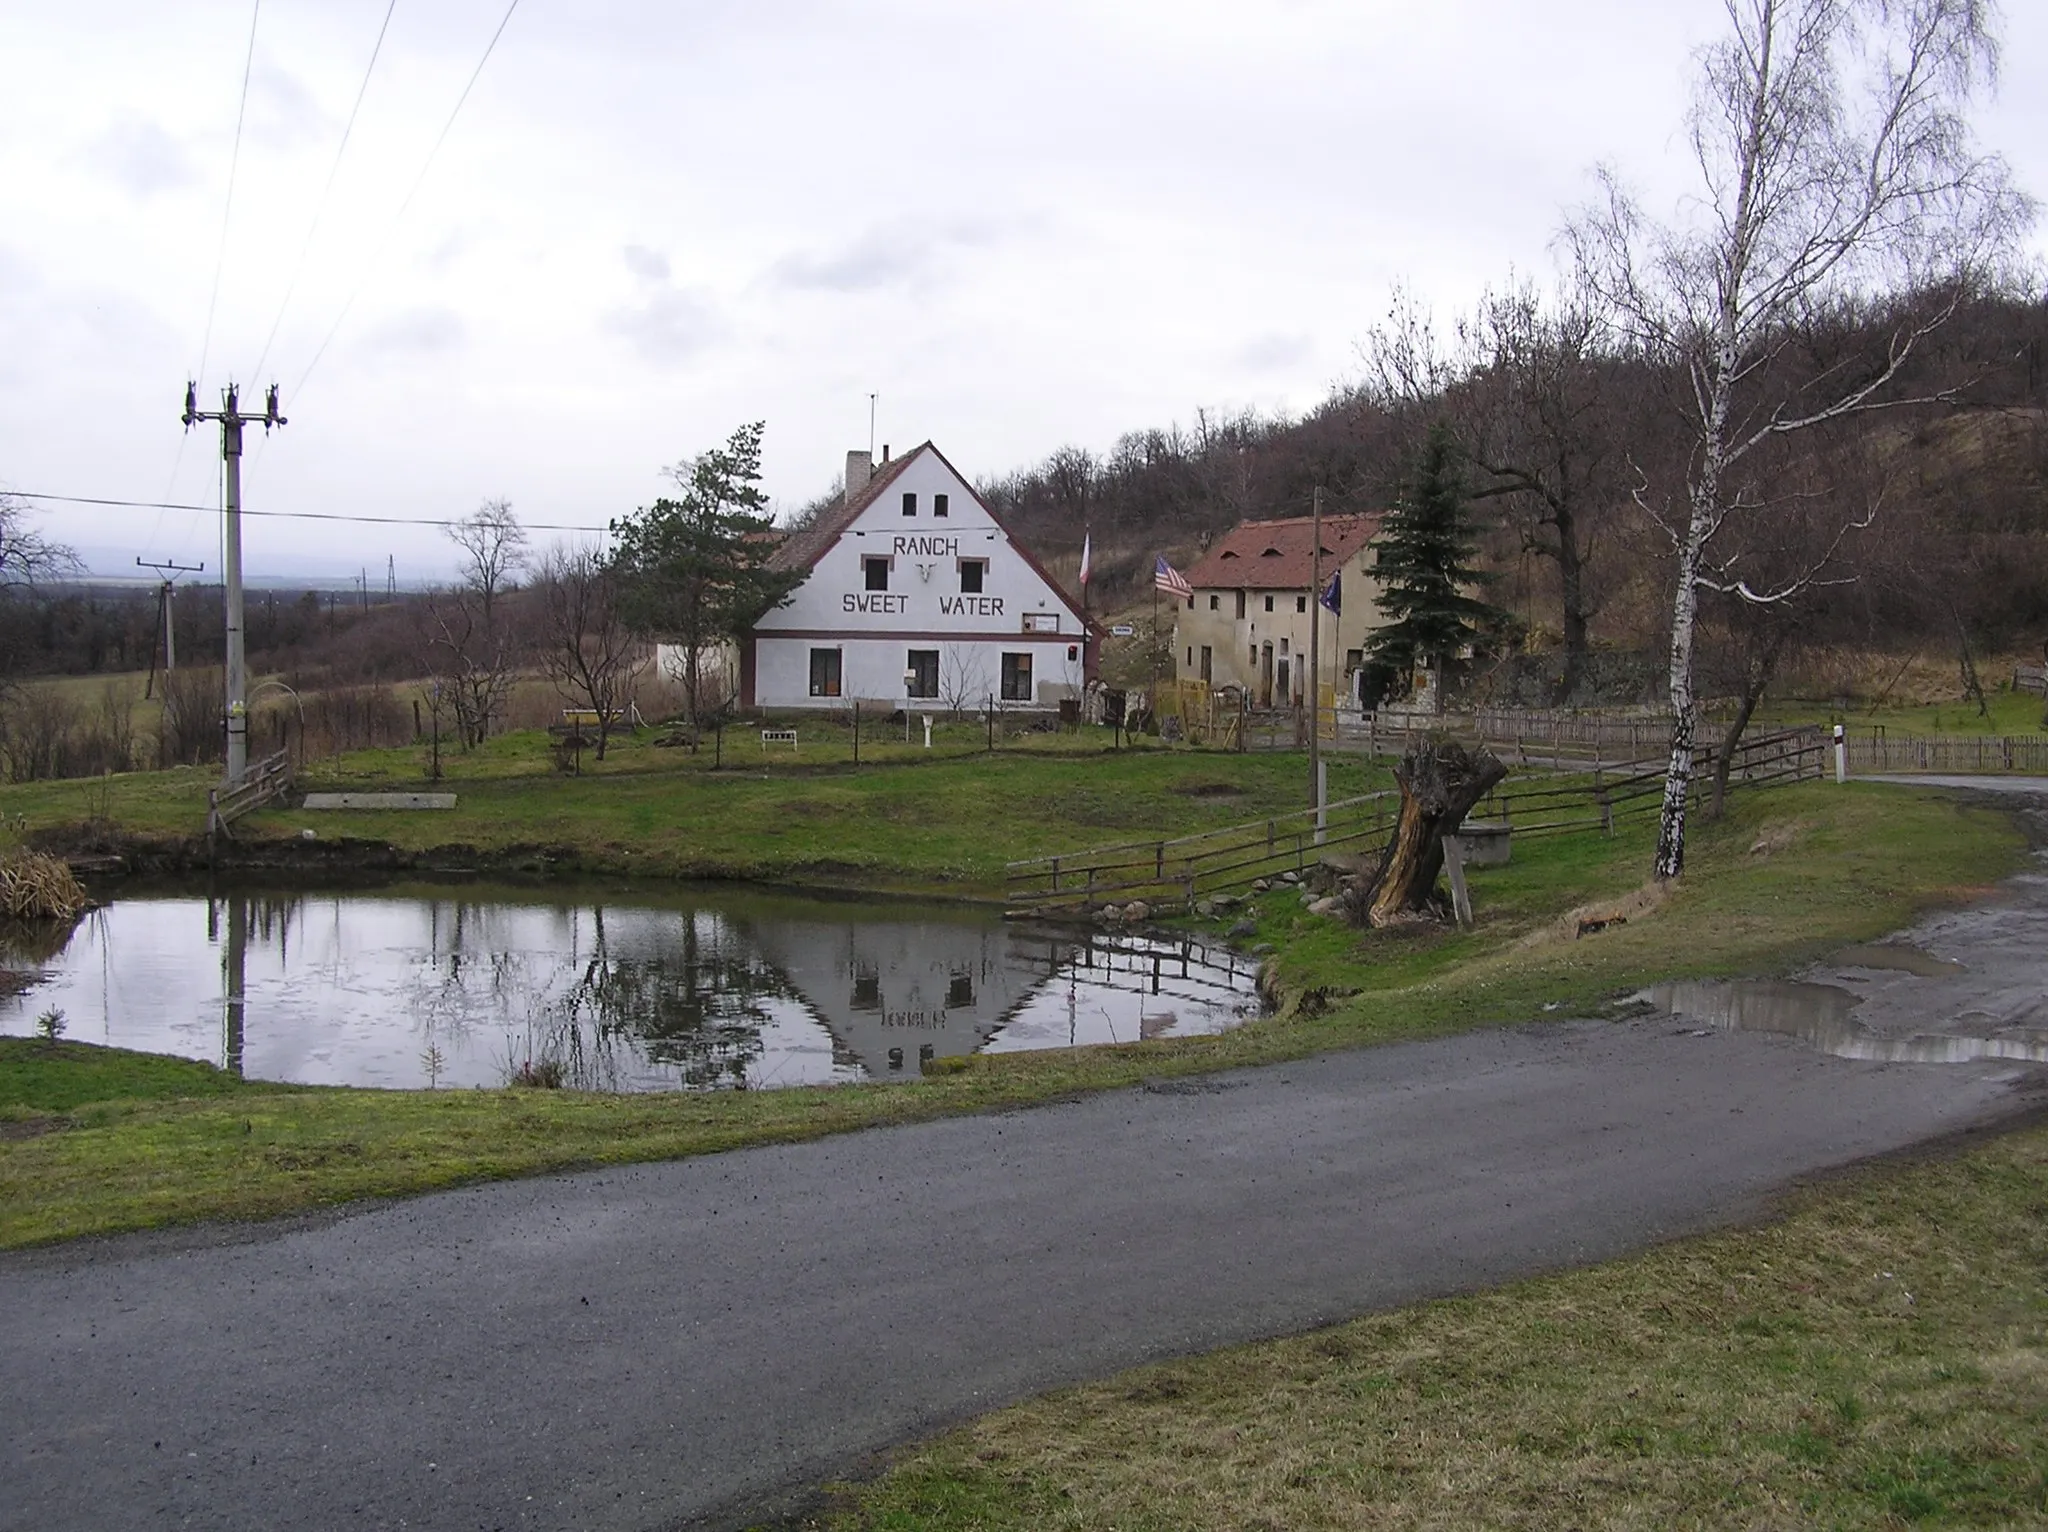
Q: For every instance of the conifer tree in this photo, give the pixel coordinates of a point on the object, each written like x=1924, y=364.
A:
x=1423, y=558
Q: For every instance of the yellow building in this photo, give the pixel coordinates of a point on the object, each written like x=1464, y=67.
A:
x=1247, y=622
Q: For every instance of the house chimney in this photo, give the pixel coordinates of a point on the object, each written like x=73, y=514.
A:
x=885, y=452
x=859, y=468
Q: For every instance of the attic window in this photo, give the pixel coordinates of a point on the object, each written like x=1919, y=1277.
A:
x=939, y=505
x=910, y=502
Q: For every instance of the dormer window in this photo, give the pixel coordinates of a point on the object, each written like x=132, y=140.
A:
x=1270, y=553
x=910, y=502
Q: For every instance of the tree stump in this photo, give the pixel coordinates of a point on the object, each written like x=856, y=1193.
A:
x=1440, y=780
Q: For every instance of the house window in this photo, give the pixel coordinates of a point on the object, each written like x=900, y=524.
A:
x=1283, y=646
x=1191, y=656
x=960, y=989
x=1041, y=622
x=972, y=573
x=1269, y=603
x=910, y=502
x=1215, y=603
x=824, y=672
x=1354, y=659
x=1301, y=603
x=1240, y=606
x=1016, y=678
x=1208, y=663
x=923, y=664
x=940, y=505
x=875, y=571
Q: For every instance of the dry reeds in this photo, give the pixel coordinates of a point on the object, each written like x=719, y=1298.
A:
x=34, y=886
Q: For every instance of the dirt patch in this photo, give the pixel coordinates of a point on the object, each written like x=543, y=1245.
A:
x=1210, y=790
x=13, y=1129
x=1601, y=915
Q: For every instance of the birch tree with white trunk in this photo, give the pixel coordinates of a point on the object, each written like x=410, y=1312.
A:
x=1836, y=178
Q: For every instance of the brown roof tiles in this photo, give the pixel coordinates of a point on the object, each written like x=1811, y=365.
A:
x=1276, y=555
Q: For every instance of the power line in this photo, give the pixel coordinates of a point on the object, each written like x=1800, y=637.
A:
x=381, y=521
x=220, y=256
x=298, y=269
x=227, y=212
x=396, y=218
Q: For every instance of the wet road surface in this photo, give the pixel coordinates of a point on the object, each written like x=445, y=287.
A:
x=692, y=1343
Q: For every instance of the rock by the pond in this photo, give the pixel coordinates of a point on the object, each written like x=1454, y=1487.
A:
x=1110, y=914
x=1244, y=928
x=1207, y=908
x=1260, y=885
x=1325, y=906
x=1262, y=949
x=1225, y=901
x=1290, y=876
x=1136, y=911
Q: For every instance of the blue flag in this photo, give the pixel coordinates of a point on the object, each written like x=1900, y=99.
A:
x=1333, y=594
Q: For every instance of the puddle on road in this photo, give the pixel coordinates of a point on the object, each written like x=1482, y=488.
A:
x=1823, y=1017
x=1898, y=957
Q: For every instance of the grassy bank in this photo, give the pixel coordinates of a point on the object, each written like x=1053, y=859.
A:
x=1879, y=1358
x=941, y=823
x=1790, y=874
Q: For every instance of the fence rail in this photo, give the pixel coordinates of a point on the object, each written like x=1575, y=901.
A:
x=1180, y=871
x=1974, y=754
x=269, y=778
x=1189, y=866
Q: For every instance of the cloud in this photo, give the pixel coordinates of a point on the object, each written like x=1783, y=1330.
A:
x=418, y=331
x=880, y=258
x=284, y=113
x=142, y=158
x=648, y=265
x=1272, y=352
x=666, y=324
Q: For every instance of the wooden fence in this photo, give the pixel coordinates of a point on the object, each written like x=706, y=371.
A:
x=1180, y=871
x=269, y=778
x=1872, y=751
x=1183, y=869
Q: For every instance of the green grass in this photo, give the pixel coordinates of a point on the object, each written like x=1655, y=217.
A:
x=944, y=823
x=1876, y=1359
x=39, y=1077
x=2007, y=712
x=1835, y=866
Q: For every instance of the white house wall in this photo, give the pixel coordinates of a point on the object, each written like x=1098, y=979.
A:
x=923, y=607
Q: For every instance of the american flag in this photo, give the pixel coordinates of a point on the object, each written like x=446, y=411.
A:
x=1165, y=577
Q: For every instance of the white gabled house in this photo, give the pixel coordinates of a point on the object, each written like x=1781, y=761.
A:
x=915, y=593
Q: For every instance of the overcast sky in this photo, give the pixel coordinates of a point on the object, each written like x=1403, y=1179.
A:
x=1021, y=225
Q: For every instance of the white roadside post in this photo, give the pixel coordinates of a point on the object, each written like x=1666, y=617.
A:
x=1841, y=754
x=909, y=696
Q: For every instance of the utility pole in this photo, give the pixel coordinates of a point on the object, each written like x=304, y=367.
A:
x=167, y=572
x=231, y=421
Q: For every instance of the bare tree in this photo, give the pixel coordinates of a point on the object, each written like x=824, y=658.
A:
x=471, y=648
x=26, y=557
x=964, y=681
x=587, y=647
x=1835, y=166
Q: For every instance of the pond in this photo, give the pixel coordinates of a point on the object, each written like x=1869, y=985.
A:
x=614, y=989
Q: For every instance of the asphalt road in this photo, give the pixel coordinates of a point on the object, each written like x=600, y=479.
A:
x=694, y=1341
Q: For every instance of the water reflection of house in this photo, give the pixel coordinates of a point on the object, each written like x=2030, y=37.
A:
x=896, y=993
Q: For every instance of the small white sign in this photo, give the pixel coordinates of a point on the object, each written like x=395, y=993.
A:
x=1122, y=630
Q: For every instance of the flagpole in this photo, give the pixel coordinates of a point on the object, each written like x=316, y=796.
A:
x=1315, y=660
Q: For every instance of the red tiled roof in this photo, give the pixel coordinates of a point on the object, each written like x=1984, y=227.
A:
x=1276, y=555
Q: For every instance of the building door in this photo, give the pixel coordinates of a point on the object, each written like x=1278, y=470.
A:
x=1265, y=675
x=1286, y=692
x=1207, y=664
